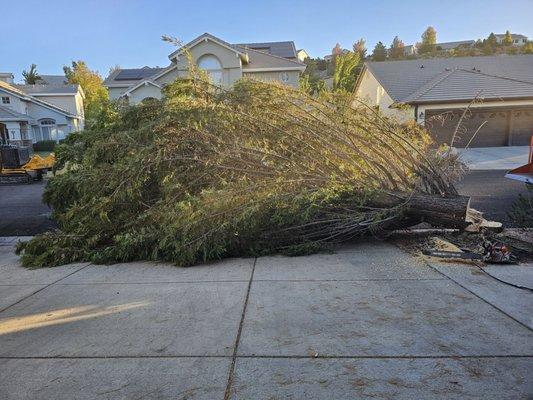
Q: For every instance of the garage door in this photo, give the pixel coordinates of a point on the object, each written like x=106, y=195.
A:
x=481, y=128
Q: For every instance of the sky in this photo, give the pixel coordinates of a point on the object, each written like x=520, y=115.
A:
x=105, y=33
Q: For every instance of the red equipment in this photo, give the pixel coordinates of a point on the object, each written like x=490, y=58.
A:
x=525, y=172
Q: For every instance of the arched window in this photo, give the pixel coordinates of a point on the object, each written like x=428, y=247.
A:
x=48, y=129
x=212, y=66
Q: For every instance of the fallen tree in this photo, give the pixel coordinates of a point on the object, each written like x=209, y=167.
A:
x=208, y=173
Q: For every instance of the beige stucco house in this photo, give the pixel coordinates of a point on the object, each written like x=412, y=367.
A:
x=226, y=63
x=496, y=90
x=31, y=113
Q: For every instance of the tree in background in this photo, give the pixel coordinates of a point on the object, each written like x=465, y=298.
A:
x=507, y=39
x=379, y=53
x=337, y=50
x=490, y=44
x=396, y=49
x=31, y=77
x=360, y=48
x=113, y=69
x=429, y=41
x=92, y=84
x=345, y=74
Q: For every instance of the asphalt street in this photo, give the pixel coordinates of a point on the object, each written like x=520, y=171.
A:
x=491, y=193
x=22, y=212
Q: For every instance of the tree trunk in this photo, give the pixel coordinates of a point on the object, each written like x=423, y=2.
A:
x=443, y=212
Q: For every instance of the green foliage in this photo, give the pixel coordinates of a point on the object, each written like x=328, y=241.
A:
x=310, y=81
x=507, y=39
x=345, y=74
x=396, y=49
x=44, y=145
x=207, y=173
x=96, y=95
x=521, y=212
x=379, y=53
x=31, y=77
x=429, y=41
x=528, y=48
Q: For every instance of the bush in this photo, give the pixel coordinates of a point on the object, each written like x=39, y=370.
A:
x=44, y=145
x=521, y=212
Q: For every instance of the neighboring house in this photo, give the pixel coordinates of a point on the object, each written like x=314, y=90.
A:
x=31, y=113
x=448, y=46
x=226, y=63
x=496, y=90
x=410, y=50
x=329, y=57
x=302, y=55
x=518, y=40
x=53, y=80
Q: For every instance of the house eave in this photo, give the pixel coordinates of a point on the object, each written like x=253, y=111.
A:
x=462, y=101
x=174, y=55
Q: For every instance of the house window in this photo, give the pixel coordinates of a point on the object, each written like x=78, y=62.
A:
x=284, y=76
x=212, y=66
x=48, y=129
x=6, y=100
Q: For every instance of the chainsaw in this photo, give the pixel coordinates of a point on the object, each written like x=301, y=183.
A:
x=493, y=253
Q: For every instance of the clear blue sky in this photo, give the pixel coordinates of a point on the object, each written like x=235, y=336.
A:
x=51, y=33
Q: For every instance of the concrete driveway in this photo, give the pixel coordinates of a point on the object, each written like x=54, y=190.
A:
x=369, y=321
x=488, y=158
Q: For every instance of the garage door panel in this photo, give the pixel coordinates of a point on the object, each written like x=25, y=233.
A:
x=521, y=127
x=480, y=128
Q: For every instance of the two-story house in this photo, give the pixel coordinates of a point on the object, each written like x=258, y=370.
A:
x=226, y=63
x=31, y=113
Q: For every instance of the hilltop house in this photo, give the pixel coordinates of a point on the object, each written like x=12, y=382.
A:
x=226, y=63
x=518, y=40
x=496, y=90
x=31, y=113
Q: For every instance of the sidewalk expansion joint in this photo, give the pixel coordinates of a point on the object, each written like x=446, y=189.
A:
x=44, y=287
x=231, y=374
x=469, y=291
x=479, y=297
x=282, y=357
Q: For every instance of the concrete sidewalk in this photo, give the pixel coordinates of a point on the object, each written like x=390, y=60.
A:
x=494, y=158
x=369, y=321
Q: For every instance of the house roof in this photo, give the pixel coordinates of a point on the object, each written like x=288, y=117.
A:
x=49, y=88
x=131, y=76
x=53, y=79
x=453, y=45
x=513, y=35
x=455, y=78
x=206, y=36
x=6, y=114
x=259, y=60
x=281, y=49
x=19, y=93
